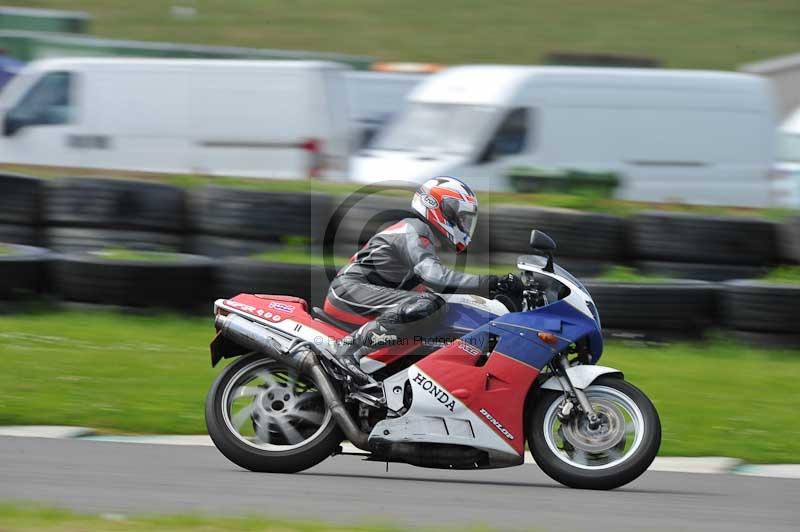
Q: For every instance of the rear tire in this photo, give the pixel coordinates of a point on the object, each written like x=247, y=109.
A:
x=253, y=455
x=633, y=462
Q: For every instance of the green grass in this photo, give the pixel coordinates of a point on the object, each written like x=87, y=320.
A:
x=149, y=374
x=784, y=275
x=21, y=517
x=626, y=274
x=696, y=34
x=122, y=254
x=293, y=255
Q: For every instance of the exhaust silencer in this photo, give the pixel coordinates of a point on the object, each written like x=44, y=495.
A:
x=254, y=337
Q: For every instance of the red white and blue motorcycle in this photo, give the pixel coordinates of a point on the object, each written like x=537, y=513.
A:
x=500, y=373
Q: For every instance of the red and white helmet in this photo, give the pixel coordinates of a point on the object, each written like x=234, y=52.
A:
x=450, y=207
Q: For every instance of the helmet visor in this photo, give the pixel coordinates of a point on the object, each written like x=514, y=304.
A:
x=460, y=214
x=467, y=221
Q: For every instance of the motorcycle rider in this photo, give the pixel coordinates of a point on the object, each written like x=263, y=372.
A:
x=376, y=289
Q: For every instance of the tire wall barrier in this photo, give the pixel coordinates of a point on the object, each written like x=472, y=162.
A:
x=679, y=237
x=23, y=271
x=678, y=306
x=21, y=202
x=184, y=282
x=228, y=221
x=762, y=312
x=86, y=213
x=222, y=228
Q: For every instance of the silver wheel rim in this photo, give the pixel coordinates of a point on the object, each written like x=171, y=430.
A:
x=615, y=441
x=269, y=407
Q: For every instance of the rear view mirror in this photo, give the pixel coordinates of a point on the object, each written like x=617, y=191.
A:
x=11, y=125
x=541, y=241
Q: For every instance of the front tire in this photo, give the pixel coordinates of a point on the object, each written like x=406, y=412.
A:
x=266, y=418
x=608, y=457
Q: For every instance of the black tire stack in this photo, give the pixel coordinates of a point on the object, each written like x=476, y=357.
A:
x=761, y=312
x=20, y=208
x=23, y=271
x=588, y=243
x=357, y=217
x=681, y=307
x=85, y=214
x=88, y=215
x=235, y=224
x=247, y=275
x=177, y=282
x=239, y=222
x=711, y=248
x=790, y=241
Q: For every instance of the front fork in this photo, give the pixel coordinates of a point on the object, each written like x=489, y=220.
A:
x=583, y=401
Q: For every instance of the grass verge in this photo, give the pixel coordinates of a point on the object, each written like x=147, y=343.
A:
x=784, y=275
x=626, y=274
x=123, y=254
x=20, y=517
x=698, y=34
x=149, y=374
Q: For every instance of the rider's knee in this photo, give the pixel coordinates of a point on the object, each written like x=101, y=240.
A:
x=424, y=306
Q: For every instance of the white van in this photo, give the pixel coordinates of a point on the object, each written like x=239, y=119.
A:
x=787, y=168
x=279, y=119
x=374, y=98
x=670, y=135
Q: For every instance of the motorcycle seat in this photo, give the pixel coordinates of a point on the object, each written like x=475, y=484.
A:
x=327, y=318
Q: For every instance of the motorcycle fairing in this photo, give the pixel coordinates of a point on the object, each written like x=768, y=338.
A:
x=518, y=332
x=467, y=312
x=452, y=391
x=452, y=416
x=289, y=319
x=458, y=401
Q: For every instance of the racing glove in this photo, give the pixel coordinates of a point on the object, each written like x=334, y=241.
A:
x=487, y=285
x=510, y=284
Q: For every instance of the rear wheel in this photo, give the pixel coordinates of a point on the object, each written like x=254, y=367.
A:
x=607, y=456
x=266, y=417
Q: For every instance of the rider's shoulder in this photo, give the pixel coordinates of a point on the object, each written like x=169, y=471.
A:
x=419, y=227
x=406, y=226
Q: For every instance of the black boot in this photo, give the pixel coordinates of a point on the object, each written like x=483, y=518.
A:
x=353, y=348
x=349, y=352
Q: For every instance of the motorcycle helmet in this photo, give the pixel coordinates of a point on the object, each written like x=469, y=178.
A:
x=450, y=207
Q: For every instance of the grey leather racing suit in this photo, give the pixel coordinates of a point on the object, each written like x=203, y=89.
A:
x=380, y=287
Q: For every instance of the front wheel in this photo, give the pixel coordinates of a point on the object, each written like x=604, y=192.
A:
x=266, y=417
x=607, y=456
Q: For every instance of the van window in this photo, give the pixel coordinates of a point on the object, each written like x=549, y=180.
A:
x=436, y=127
x=48, y=102
x=510, y=137
x=789, y=148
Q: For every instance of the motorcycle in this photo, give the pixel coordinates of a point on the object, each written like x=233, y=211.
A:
x=501, y=372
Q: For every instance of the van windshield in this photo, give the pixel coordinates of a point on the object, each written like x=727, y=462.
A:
x=789, y=148
x=437, y=127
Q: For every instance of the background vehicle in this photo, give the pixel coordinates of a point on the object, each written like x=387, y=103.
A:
x=283, y=119
x=787, y=168
x=499, y=373
x=373, y=98
x=670, y=135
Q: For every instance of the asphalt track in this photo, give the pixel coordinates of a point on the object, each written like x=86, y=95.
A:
x=134, y=478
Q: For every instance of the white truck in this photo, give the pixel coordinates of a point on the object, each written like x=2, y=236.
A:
x=787, y=168
x=373, y=98
x=275, y=119
x=670, y=135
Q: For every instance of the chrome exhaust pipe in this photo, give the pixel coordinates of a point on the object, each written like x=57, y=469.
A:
x=256, y=338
